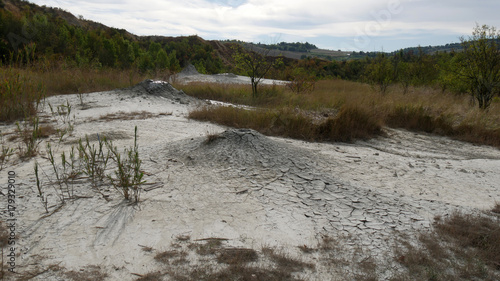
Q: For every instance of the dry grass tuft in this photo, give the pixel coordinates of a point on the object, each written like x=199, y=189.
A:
x=417, y=118
x=462, y=247
x=496, y=208
x=237, y=255
x=20, y=94
x=89, y=273
x=134, y=115
x=166, y=256
x=183, y=238
x=4, y=235
x=152, y=276
x=214, y=261
x=211, y=246
x=45, y=131
x=285, y=262
x=350, y=124
x=211, y=137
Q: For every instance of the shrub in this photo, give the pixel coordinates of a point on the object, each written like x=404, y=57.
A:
x=418, y=118
x=350, y=124
x=128, y=174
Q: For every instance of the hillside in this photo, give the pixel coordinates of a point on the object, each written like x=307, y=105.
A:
x=58, y=34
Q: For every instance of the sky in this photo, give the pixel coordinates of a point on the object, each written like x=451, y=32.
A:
x=347, y=25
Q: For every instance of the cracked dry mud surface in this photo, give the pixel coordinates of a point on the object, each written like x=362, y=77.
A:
x=250, y=189
x=298, y=190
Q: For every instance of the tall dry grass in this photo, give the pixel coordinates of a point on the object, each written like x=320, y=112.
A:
x=350, y=124
x=269, y=95
x=22, y=88
x=423, y=109
x=20, y=94
x=72, y=80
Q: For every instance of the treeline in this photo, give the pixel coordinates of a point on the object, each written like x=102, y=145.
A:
x=291, y=47
x=33, y=36
x=406, y=68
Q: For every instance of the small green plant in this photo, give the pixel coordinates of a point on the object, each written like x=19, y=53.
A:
x=64, y=192
x=128, y=175
x=80, y=97
x=5, y=153
x=28, y=132
x=94, y=160
x=41, y=194
x=62, y=116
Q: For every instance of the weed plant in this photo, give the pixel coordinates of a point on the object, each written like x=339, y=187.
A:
x=63, y=118
x=5, y=152
x=128, y=175
x=94, y=159
x=41, y=194
x=28, y=132
x=65, y=191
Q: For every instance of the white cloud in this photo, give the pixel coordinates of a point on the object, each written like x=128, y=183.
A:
x=254, y=19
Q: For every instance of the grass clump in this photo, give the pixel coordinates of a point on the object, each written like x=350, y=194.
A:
x=237, y=255
x=166, y=256
x=29, y=134
x=417, y=118
x=5, y=152
x=350, y=124
x=213, y=260
x=91, y=161
x=20, y=95
x=128, y=175
x=286, y=262
x=461, y=247
x=91, y=272
x=94, y=159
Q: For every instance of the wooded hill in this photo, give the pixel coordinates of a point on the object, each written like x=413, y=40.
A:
x=53, y=37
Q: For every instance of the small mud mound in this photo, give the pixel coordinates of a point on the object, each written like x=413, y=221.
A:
x=162, y=89
x=189, y=70
x=242, y=148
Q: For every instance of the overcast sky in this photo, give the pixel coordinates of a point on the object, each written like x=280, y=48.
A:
x=349, y=25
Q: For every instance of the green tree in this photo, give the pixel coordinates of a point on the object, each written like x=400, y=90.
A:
x=480, y=64
x=254, y=63
x=162, y=60
x=380, y=72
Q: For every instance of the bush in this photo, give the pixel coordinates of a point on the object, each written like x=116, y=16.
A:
x=350, y=124
x=417, y=118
